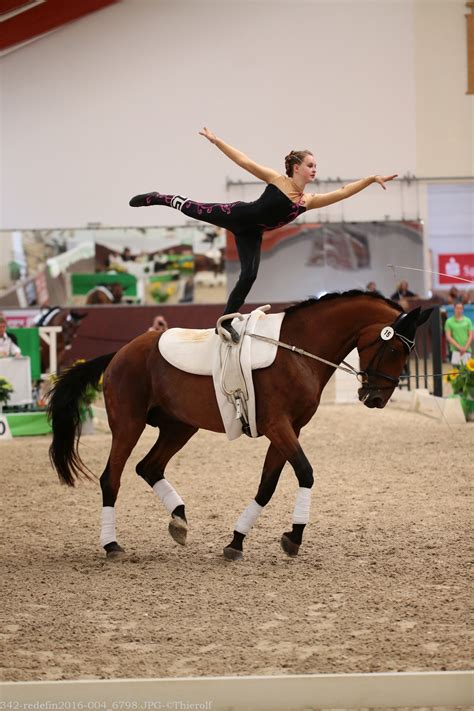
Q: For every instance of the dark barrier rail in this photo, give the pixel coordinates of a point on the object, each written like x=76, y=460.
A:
x=425, y=366
x=108, y=328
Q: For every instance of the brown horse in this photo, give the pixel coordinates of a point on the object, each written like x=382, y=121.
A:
x=140, y=388
x=69, y=320
x=105, y=294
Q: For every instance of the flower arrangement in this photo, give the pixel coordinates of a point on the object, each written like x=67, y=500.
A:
x=161, y=293
x=462, y=380
x=5, y=391
x=462, y=384
x=88, y=399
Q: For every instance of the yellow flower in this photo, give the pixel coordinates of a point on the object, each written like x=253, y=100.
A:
x=470, y=364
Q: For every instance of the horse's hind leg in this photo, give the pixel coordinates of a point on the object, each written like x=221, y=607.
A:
x=123, y=441
x=173, y=436
x=274, y=463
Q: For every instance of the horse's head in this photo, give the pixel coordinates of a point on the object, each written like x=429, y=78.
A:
x=71, y=322
x=383, y=353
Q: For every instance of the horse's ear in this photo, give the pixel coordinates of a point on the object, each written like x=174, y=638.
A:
x=414, y=313
x=406, y=324
x=424, y=316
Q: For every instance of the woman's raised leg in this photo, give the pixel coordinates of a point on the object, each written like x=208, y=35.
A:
x=228, y=214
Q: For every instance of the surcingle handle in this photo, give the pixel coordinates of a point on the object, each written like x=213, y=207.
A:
x=267, y=307
x=222, y=332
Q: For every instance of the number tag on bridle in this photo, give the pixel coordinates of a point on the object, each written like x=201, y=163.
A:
x=387, y=333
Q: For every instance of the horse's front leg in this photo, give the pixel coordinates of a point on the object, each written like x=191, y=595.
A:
x=285, y=440
x=274, y=463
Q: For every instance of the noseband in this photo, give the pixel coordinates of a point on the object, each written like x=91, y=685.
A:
x=386, y=335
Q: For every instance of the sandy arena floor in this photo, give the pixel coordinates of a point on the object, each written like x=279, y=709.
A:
x=381, y=583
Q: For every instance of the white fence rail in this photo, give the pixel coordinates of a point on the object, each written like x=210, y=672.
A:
x=258, y=693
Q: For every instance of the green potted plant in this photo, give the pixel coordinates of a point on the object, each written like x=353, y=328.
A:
x=5, y=392
x=462, y=384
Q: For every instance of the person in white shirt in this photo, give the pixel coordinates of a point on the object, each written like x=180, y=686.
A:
x=8, y=349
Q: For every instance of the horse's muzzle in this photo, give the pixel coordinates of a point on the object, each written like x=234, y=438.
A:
x=372, y=398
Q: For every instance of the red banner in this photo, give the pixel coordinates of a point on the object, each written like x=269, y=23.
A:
x=455, y=268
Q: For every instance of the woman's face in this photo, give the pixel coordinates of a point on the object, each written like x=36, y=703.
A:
x=306, y=169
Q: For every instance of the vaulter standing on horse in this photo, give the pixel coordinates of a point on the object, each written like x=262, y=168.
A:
x=282, y=201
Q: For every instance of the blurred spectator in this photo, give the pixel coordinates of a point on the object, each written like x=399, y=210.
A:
x=127, y=255
x=372, y=288
x=454, y=296
x=159, y=324
x=402, y=292
x=459, y=334
x=9, y=334
x=7, y=347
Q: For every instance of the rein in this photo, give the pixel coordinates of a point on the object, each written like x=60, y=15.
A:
x=347, y=367
x=361, y=375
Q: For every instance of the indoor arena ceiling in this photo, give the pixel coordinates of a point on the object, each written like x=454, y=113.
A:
x=23, y=21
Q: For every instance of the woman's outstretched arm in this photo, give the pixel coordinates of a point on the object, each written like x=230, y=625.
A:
x=325, y=199
x=259, y=171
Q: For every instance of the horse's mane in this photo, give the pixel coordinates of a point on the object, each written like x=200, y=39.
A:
x=340, y=294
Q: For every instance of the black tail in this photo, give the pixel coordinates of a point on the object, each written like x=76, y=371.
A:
x=64, y=413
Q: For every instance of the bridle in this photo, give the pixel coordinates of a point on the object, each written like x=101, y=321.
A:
x=387, y=334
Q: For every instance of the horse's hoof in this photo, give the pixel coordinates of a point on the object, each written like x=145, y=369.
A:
x=232, y=553
x=288, y=546
x=113, y=550
x=178, y=530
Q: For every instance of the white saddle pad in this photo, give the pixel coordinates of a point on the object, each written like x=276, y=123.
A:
x=203, y=352
x=192, y=350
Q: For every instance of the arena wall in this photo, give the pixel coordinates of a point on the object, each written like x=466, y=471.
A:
x=110, y=105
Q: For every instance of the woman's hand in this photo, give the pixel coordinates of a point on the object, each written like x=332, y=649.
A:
x=208, y=134
x=381, y=181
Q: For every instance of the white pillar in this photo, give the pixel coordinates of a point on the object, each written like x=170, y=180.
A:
x=346, y=383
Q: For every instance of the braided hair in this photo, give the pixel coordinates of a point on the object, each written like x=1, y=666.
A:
x=294, y=158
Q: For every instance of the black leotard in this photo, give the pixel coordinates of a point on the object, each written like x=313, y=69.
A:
x=246, y=220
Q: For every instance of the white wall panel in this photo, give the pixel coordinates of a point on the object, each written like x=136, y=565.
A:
x=111, y=105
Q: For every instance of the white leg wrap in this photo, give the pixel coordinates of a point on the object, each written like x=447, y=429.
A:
x=248, y=517
x=169, y=497
x=302, y=506
x=107, y=531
